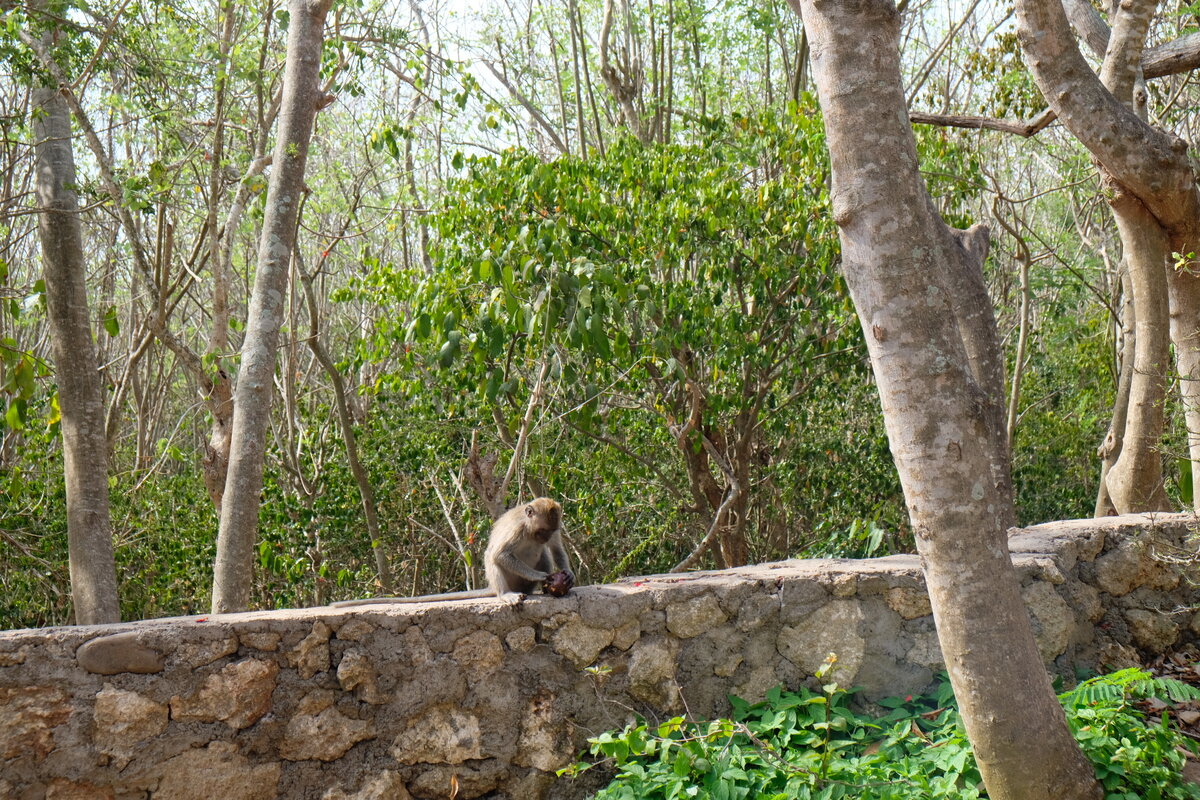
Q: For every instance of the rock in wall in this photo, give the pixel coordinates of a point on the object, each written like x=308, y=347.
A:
x=488, y=699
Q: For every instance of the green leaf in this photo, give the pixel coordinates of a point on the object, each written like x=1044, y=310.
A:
x=13, y=416
x=1185, y=481
x=111, y=324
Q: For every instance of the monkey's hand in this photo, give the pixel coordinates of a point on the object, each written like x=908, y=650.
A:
x=558, y=584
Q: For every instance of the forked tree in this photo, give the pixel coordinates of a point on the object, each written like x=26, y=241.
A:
x=1153, y=193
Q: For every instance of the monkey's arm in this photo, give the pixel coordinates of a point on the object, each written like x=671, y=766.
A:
x=473, y=594
x=558, y=556
x=507, y=560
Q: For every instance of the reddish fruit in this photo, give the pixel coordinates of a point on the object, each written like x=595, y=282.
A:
x=558, y=584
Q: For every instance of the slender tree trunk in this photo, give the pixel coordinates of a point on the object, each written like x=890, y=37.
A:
x=215, y=461
x=1114, y=439
x=1135, y=480
x=934, y=353
x=233, y=571
x=85, y=448
x=365, y=491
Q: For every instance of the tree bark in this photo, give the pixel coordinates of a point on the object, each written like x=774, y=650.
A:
x=233, y=571
x=85, y=448
x=934, y=350
x=1110, y=449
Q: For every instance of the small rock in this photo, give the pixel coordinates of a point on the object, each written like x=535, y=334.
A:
x=357, y=672
x=30, y=714
x=844, y=586
x=439, y=735
x=1152, y=631
x=652, y=664
x=11, y=658
x=219, y=771
x=757, y=610
x=312, y=654
x=415, y=646
x=1085, y=599
x=579, y=642
x=265, y=641
x=544, y=742
x=1119, y=571
x=318, y=731
x=1189, y=717
x=760, y=681
x=832, y=629
x=202, y=653
x=1053, y=620
x=909, y=602
x=120, y=652
x=630, y=632
x=387, y=785
x=689, y=618
x=479, y=653
x=521, y=640
x=123, y=719
x=728, y=666
x=356, y=629
x=239, y=695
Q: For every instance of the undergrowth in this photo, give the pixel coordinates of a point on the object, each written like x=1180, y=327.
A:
x=809, y=745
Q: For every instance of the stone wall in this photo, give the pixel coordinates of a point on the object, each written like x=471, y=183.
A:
x=403, y=701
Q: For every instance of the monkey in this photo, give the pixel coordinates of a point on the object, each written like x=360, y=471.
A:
x=524, y=548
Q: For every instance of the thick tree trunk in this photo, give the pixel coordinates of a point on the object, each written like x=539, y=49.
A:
x=934, y=353
x=85, y=448
x=233, y=571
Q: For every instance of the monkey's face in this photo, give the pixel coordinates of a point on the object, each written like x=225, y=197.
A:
x=545, y=517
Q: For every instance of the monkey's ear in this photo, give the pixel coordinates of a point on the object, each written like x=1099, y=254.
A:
x=529, y=510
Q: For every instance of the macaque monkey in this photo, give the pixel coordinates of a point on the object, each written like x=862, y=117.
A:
x=524, y=548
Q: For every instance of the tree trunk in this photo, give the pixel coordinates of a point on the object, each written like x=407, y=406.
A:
x=215, y=461
x=934, y=350
x=1135, y=481
x=1110, y=449
x=85, y=449
x=233, y=571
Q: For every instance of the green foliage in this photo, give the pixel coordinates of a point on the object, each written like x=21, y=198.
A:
x=1135, y=758
x=802, y=745
x=639, y=290
x=808, y=745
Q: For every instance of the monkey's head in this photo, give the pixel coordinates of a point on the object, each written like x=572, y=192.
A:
x=543, y=517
